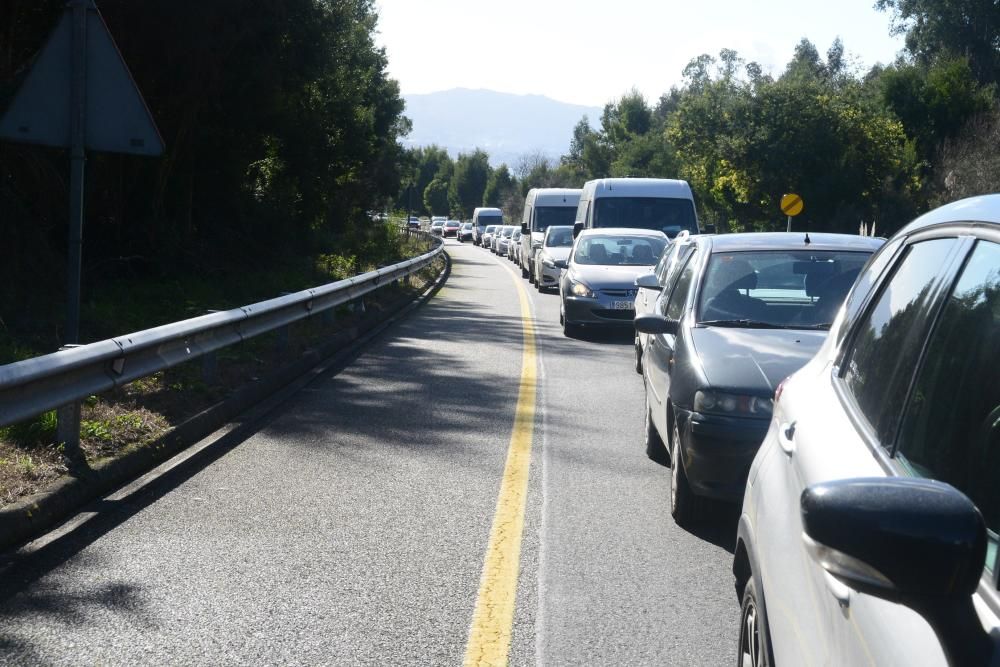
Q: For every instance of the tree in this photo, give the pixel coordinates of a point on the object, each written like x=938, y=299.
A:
x=934, y=28
x=969, y=164
x=436, y=197
x=472, y=172
x=499, y=185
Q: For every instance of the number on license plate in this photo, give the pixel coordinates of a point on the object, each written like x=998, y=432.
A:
x=623, y=305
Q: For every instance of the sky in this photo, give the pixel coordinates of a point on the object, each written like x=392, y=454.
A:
x=591, y=52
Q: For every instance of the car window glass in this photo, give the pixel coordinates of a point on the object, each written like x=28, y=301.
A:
x=951, y=430
x=673, y=307
x=619, y=250
x=869, y=274
x=885, y=352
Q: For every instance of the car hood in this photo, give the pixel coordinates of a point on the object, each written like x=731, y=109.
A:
x=602, y=277
x=753, y=358
x=537, y=237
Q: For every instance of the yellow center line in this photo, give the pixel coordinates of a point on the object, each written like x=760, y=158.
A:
x=493, y=618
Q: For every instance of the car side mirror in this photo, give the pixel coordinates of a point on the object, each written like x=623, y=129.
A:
x=560, y=263
x=915, y=542
x=577, y=228
x=524, y=228
x=656, y=324
x=648, y=281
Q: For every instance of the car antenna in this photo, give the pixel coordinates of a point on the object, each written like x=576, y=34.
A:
x=807, y=239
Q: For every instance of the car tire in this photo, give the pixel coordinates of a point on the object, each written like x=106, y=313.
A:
x=638, y=355
x=655, y=449
x=755, y=645
x=685, y=507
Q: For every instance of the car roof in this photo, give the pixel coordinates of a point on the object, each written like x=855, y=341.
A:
x=639, y=187
x=981, y=209
x=788, y=241
x=622, y=231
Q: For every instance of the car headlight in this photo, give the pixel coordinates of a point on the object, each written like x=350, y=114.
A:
x=579, y=289
x=743, y=405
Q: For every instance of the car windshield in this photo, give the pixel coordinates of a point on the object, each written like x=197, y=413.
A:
x=787, y=289
x=507, y=231
x=548, y=216
x=490, y=229
x=619, y=250
x=437, y=223
x=559, y=238
x=467, y=225
x=663, y=214
x=494, y=220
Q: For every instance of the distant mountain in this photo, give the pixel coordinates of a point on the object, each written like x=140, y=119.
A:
x=505, y=126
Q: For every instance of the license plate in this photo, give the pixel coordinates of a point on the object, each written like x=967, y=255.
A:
x=623, y=305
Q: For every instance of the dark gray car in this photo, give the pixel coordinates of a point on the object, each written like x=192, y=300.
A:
x=744, y=312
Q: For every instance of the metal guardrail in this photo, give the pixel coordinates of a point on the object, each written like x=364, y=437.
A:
x=34, y=386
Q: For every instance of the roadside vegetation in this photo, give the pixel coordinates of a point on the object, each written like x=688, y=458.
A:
x=874, y=147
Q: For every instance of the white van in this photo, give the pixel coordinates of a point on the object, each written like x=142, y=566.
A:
x=543, y=208
x=481, y=217
x=663, y=204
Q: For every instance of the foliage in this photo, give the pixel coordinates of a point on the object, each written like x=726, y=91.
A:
x=281, y=129
x=465, y=192
x=935, y=28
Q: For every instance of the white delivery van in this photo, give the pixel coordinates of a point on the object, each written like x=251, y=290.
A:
x=543, y=208
x=481, y=217
x=663, y=204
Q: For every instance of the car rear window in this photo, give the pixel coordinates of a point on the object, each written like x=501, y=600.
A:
x=794, y=289
x=551, y=216
x=667, y=215
x=619, y=250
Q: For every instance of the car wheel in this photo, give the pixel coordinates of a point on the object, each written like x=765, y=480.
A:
x=638, y=356
x=755, y=645
x=685, y=506
x=655, y=449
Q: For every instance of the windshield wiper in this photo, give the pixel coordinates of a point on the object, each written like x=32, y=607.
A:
x=824, y=326
x=743, y=324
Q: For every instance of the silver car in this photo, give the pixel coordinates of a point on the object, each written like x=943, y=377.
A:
x=551, y=257
x=501, y=240
x=515, y=245
x=598, y=286
x=487, y=236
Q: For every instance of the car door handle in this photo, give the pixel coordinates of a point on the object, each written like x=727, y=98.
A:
x=837, y=589
x=786, y=438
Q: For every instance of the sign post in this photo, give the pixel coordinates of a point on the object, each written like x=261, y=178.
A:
x=80, y=95
x=791, y=205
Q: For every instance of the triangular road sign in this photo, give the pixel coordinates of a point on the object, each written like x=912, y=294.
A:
x=117, y=119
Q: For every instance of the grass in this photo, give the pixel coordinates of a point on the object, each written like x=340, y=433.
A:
x=137, y=414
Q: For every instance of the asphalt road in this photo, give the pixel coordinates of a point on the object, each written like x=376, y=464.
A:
x=350, y=527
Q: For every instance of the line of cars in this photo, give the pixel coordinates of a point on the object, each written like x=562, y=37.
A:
x=843, y=388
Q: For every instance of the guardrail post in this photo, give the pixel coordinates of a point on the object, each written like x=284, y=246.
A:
x=68, y=428
x=209, y=362
x=283, y=333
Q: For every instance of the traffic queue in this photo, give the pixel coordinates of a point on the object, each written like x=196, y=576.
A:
x=839, y=388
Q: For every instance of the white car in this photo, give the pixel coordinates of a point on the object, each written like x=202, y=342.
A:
x=651, y=285
x=870, y=521
x=557, y=242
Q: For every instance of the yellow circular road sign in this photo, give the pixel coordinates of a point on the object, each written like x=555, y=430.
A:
x=791, y=204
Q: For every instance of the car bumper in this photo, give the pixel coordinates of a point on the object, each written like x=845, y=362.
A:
x=717, y=452
x=595, y=312
x=548, y=276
